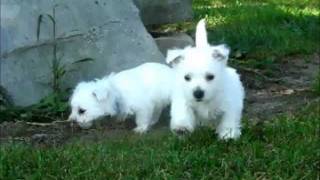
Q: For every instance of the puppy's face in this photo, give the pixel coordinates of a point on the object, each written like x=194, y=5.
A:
x=88, y=103
x=199, y=73
x=200, y=68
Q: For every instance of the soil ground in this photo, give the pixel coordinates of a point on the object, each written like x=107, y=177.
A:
x=267, y=98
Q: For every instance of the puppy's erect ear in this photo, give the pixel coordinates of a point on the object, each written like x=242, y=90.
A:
x=220, y=52
x=174, y=57
x=201, y=34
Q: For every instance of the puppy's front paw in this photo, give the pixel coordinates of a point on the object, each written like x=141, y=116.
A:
x=229, y=133
x=140, y=129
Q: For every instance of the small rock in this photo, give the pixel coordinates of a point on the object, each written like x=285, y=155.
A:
x=164, y=11
x=239, y=54
x=180, y=40
x=39, y=136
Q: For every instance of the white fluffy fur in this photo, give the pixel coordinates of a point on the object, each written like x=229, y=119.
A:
x=142, y=91
x=222, y=102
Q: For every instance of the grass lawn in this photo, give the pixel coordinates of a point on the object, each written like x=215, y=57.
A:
x=287, y=147
x=284, y=148
x=264, y=31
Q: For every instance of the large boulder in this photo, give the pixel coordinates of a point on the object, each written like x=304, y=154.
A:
x=164, y=11
x=108, y=31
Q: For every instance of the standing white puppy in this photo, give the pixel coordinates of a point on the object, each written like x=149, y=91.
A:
x=206, y=89
x=143, y=91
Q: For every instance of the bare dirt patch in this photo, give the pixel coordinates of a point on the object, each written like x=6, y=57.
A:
x=290, y=92
x=286, y=93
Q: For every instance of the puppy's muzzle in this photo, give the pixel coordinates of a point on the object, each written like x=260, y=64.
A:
x=71, y=120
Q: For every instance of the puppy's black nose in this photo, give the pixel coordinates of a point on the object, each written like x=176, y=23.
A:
x=198, y=94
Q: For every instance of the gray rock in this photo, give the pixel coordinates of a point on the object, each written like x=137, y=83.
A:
x=40, y=136
x=164, y=11
x=178, y=41
x=108, y=31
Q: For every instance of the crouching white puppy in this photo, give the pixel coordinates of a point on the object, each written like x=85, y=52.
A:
x=142, y=91
x=206, y=89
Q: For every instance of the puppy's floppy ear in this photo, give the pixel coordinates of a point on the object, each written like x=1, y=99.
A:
x=221, y=52
x=100, y=94
x=118, y=105
x=174, y=57
x=103, y=87
x=201, y=34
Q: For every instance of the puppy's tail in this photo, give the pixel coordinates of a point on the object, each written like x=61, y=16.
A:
x=201, y=34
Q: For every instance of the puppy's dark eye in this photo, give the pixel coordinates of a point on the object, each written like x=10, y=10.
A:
x=209, y=77
x=187, y=77
x=81, y=111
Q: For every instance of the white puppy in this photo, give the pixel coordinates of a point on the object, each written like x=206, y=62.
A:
x=206, y=89
x=142, y=91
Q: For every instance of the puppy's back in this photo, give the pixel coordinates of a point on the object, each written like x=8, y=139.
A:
x=146, y=82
